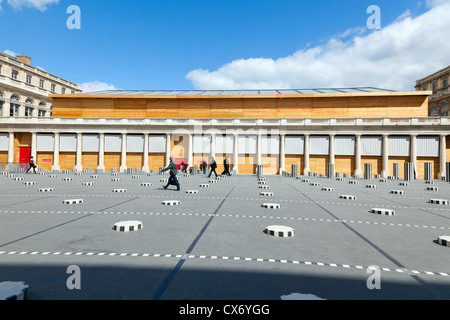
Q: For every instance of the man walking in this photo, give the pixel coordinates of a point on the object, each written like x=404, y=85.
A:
x=173, y=174
x=226, y=165
x=32, y=165
x=213, y=166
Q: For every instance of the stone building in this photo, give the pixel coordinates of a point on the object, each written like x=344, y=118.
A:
x=440, y=98
x=347, y=128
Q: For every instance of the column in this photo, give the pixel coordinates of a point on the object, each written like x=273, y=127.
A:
x=190, y=150
x=442, y=156
x=145, y=167
x=282, y=155
x=385, y=156
x=56, y=166
x=123, y=154
x=306, y=156
x=236, y=154
x=413, y=155
x=167, y=149
x=34, y=146
x=213, y=145
x=10, y=165
x=331, y=149
x=258, y=150
x=101, y=153
x=78, y=165
x=358, y=170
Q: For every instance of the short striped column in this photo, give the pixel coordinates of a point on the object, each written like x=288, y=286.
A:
x=367, y=171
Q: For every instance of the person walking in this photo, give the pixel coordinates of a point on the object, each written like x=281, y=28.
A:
x=172, y=167
x=226, y=165
x=205, y=166
x=32, y=165
x=213, y=166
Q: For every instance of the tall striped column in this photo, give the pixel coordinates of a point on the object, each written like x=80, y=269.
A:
x=358, y=171
x=413, y=156
x=283, y=156
x=385, y=156
x=442, y=156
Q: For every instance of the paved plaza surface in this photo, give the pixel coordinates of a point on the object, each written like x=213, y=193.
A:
x=212, y=244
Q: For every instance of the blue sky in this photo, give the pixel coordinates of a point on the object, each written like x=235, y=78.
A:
x=157, y=44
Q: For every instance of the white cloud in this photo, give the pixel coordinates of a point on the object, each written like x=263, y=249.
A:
x=96, y=86
x=41, y=5
x=11, y=53
x=394, y=58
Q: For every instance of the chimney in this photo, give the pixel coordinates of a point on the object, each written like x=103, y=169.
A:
x=24, y=59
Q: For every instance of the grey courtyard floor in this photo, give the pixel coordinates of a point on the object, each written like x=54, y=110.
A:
x=212, y=245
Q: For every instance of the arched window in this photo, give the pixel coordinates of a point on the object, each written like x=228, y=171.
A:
x=41, y=110
x=29, y=107
x=14, y=106
x=434, y=111
x=444, y=109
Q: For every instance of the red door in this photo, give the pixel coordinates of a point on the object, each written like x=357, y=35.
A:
x=24, y=154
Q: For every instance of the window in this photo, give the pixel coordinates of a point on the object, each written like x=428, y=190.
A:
x=14, y=74
x=41, y=110
x=63, y=90
x=446, y=83
x=29, y=79
x=444, y=110
x=41, y=83
x=53, y=88
x=434, y=87
x=0, y=69
x=29, y=107
x=425, y=88
x=14, y=106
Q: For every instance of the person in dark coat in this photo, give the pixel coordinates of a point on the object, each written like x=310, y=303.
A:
x=213, y=166
x=226, y=165
x=172, y=167
x=205, y=166
x=32, y=165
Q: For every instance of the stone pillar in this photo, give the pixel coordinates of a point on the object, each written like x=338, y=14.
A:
x=123, y=155
x=306, y=155
x=331, y=147
x=10, y=165
x=413, y=156
x=56, y=166
x=236, y=154
x=258, y=149
x=190, y=150
x=101, y=153
x=442, y=156
x=145, y=167
x=283, y=156
x=34, y=146
x=167, y=149
x=78, y=165
x=358, y=171
x=213, y=146
x=385, y=157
